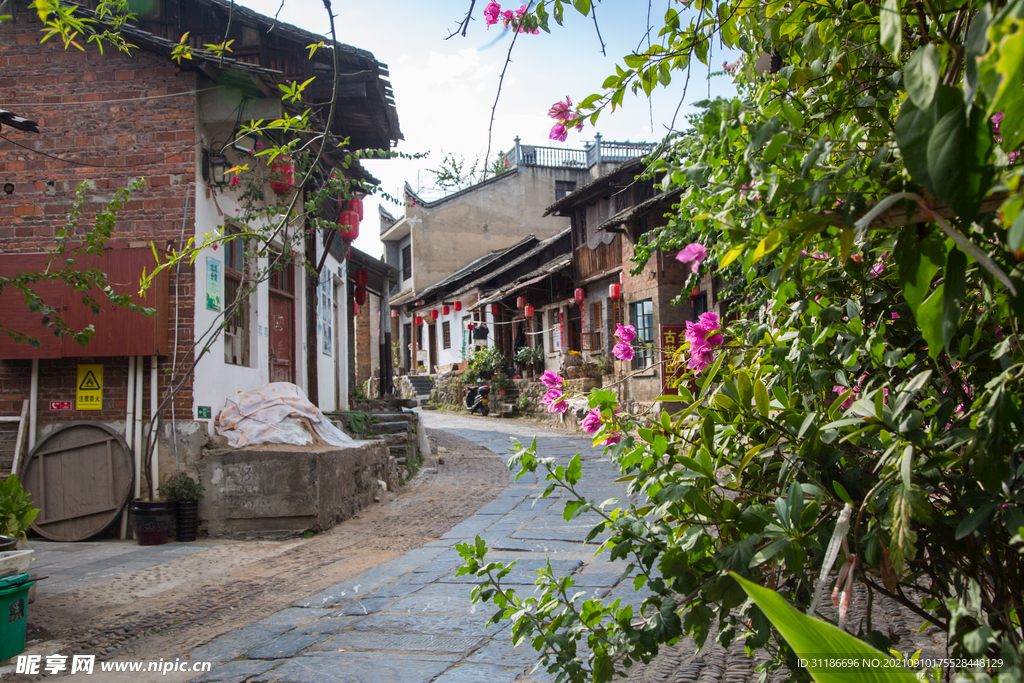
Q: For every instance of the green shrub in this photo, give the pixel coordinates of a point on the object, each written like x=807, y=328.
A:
x=182, y=489
x=16, y=511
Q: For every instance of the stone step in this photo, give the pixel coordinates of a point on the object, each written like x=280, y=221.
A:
x=399, y=439
x=388, y=427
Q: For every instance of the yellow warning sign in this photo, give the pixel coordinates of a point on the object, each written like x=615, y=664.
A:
x=90, y=388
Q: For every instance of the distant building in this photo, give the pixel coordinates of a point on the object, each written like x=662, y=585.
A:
x=436, y=240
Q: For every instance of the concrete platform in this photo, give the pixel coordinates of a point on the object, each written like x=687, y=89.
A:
x=275, y=491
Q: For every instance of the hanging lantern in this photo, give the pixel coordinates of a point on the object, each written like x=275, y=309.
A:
x=520, y=301
x=394, y=312
x=348, y=224
x=362, y=277
x=470, y=327
x=528, y=311
x=614, y=292
x=357, y=206
x=457, y=305
x=578, y=295
x=419, y=320
x=433, y=314
x=355, y=308
x=494, y=309
x=695, y=292
x=445, y=310
x=360, y=296
x=282, y=174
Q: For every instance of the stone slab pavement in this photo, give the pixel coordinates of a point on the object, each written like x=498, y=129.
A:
x=411, y=620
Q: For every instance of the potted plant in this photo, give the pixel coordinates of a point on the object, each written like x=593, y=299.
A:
x=530, y=358
x=486, y=362
x=184, y=492
x=152, y=521
x=501, y=382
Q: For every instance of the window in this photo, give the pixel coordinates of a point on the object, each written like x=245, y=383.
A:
x=563, y=188
x=622, y=199
x=579, y=229
x=446, y=335
x=643, y=321
x=555, y=318
x=597, y=318
x=236, y=321
x=700, y=304
x=407, y=262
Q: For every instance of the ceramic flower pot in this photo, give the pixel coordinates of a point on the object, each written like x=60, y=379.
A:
x=152, y=521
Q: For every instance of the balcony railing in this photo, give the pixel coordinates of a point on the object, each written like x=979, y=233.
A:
x=593, y=153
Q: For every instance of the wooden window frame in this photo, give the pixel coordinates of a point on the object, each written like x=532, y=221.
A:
x=237, y=328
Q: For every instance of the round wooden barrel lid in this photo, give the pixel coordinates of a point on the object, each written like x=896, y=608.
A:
x=80, y=478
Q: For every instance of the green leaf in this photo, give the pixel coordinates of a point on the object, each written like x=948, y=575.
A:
x=575, y=470
x=922, y=75
x=891, y=28
x=918, y=260
x=1009, y=97
x=929, y=321
x=582, y=6
x=761, y=397
x=955, y=290
x=913, y=130
x=765, y=133
x=841, y=492
x=769, y=551
x=957, y=154
x=975, y=47
x=1015, y=237
x=977, y=520
x=813, y=639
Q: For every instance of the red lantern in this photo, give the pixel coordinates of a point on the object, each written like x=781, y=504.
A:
x=360, y=296
x=520, y=301
x=433, y=314
x=458, y=305
x=695, y=292
x=357, y=206
x=348, y=224
x=578, y=295
x=419, y=320
x=362, y=277
x=470, y=327
x=355, y=309
x=528, y=311
x=445, y=310
x=614, y=292
x=282, y=174
x=394, y=312
x=494, y=309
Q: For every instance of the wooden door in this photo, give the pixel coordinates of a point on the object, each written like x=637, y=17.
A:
x=282, y=325
x=432, y=362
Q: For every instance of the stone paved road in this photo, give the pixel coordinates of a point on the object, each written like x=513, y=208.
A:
x=411, y=619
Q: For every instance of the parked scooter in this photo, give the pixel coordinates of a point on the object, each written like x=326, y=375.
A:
x=476, y=400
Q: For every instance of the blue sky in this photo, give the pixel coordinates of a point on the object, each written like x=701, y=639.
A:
x=444, y=89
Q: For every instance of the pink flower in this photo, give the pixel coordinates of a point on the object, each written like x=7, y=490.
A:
x=895, y=315
x=558, y=132
x=561, y=111
x=703, y=337
x=612, y=439
x=878, y=268
x=692, y=254
x=626, y=333
x=491, y=14
x=234, y=182
x=592, y=422
x=623, y=351
x=554, y=400
x=551, y=380
x=840, y=390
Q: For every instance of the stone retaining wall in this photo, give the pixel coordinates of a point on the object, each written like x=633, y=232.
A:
x=449, y=391
x=276, y=491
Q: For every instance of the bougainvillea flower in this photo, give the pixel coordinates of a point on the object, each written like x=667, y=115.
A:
x=626, y=333
x=552, y=380
x=554, y=400
x=692, y=255
x=840, y=390
x=703, y=337
x=558, y=132
x=623, y=351
x=612, y=439
x=560, y=111
x=592, y=422
x=491, y=14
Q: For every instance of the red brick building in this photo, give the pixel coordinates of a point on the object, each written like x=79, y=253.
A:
x=109, y=119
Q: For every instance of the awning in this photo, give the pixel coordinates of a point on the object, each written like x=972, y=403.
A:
x=403, y=298
x=545, y=271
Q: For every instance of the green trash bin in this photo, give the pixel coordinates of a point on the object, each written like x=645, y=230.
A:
x=13, y=614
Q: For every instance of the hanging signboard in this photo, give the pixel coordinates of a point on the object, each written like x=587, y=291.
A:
x=213, y=284
x=672, y=337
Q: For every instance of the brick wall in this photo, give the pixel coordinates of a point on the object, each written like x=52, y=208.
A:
x=362, y=343
x=87, y=105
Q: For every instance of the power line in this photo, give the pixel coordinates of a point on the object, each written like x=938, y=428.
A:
x=81, y=163
x=127, y=99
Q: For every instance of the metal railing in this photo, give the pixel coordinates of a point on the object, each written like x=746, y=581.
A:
x=593, y=153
